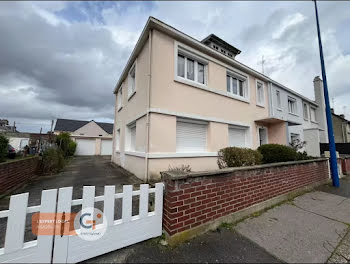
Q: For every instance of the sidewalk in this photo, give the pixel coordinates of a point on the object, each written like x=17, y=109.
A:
x=312, y=228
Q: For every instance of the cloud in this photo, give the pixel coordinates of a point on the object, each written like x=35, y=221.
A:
x=62, y=59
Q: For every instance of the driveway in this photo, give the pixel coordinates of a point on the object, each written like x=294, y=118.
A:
x=81, y=171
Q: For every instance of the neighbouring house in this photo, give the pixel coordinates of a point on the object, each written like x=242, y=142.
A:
x=17, y=140
x=5, y=127
x=180, y=100
x=92, y=138
x=341, y=128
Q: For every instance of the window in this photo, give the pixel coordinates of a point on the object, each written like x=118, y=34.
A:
x=237, y=136
x=236, y=86
x=313, y=114
x=292, y=105
x=120, y=98
x=191, y=136
x=260, y=100
x=306, y=112
x=191, y=69
x=278, y=99
x=132, y=81
x=131, y=137
x=294, y=138
x=117, y=140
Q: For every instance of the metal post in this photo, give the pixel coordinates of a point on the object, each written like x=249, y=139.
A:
x=333, y=158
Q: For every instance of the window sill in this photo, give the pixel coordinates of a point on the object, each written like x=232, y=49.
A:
x=261, y=105
x=120, y=108
x=162, y=155
x=315, y=122
x=135, y=153
x=131, y=95
x=293, y=114
x=205, y=88
x=279, y=109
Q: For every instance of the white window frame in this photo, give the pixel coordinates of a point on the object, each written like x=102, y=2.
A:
x=306, y=111
x=197, y=59
x=314, y=109
x=246, y=135
x=117, y=140
x=267, y=134
x=132, y=91
x=120, y=98
x=291, y=99
x=129, y=146
x=238, y=77
x=262, y=102
x=278, y=100
x=193, y=121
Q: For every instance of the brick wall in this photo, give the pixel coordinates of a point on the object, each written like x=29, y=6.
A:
x=345, y=163
x=193, y=199
x=15, y=173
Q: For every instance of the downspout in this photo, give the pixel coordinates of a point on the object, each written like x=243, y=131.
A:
x=148, y=101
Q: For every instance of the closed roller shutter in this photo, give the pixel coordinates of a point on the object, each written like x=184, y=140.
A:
x=237, y=137
x=191, y=137
x=106, y=147
x=85, y=147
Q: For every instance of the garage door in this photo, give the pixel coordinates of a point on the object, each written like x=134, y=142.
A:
x=106, y=147
x=85, y=147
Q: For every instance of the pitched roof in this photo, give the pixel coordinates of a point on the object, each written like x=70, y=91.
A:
x=222, y=43
x=70, y=125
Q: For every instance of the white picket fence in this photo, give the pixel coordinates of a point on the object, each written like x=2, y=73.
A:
x=71, y=248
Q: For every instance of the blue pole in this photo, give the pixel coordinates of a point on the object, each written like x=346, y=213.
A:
x=333, y=158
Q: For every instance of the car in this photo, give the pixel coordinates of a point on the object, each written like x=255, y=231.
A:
x=11, y=152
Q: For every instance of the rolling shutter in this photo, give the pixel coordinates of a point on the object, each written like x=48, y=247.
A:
x=191, y=137
x=237, y=137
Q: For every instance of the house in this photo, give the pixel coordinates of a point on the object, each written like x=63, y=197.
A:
x=341, y=128
x=5, y=127
x=180, y=100
x=92, y=138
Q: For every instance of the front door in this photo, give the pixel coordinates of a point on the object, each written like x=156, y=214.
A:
x=262, y=136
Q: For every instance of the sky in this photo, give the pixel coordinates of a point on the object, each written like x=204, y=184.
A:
x=63, y=59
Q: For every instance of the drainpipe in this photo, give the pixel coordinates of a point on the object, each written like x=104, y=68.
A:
x=148, y=101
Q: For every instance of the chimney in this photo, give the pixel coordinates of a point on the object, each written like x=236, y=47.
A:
x=321, y=109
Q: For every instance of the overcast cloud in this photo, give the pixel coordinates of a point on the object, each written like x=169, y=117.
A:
x=62, y=59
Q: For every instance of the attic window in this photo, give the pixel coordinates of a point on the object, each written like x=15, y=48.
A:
x=100, y=135
x=81, y=134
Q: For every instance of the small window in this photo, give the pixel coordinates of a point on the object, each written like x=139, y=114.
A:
x=236, y=86
x=294, y=138
x=120, y=98
x=191, y=136
x=131, y=137
x=100, y=135
x=237, y=136
x=117, y=140
x=191, y=69
x=132, y=81
x=306, y=112
x=260, y=100
x=313, y=114
x=292, y=105
x=278, y=99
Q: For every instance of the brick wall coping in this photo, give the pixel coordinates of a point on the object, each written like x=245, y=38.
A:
x=184, y=175
x=18, y=160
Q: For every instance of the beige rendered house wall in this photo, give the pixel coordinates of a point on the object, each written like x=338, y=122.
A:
x=91, y=129
x=133, y=109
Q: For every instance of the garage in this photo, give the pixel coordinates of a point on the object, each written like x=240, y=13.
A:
x=85, y=147
x=106, y=147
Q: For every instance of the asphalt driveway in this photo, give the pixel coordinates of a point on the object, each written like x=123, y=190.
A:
x=81, y=171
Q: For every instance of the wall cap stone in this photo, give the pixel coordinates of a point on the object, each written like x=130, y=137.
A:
x=179, y=175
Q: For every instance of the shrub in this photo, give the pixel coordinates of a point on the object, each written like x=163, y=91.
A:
x=53, y=160
x=237, y=157
x=277, y=153
x=65, y=143
x=303, y=156
x=182, y=168
x=3, y=148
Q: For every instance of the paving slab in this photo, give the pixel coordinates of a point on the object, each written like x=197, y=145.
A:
x=329, y=205
x=293, y=234
x=342, y=253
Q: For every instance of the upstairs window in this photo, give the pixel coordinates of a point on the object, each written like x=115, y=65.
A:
x=236, y=86
x=292, y=105
x=306, y=112
x=120, y=98
x=191, y=135
x=260, y=99
x=132, y=80
x=190, y=68
x=313, y=114
x=278, y=99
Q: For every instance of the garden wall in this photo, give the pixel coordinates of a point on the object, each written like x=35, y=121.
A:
x=345, y=164
x=194, y=200
x=16, y=173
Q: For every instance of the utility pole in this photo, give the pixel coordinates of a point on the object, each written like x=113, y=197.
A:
x=332, y=150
